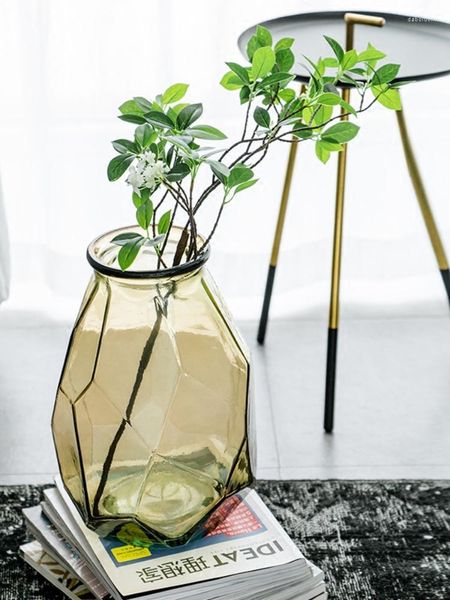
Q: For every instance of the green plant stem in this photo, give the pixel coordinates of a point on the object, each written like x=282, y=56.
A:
x=166, y=239
x=213, y=230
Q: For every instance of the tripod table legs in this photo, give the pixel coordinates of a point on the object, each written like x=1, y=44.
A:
x=333, y=323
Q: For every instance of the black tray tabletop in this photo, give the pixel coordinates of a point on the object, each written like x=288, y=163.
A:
x=420, y=46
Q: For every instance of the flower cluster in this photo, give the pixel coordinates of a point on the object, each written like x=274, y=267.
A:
x=147, y=172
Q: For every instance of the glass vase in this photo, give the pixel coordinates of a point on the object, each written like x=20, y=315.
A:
x=151, y=422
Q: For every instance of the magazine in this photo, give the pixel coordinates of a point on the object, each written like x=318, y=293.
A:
x=249, y=539
x=57, y=546
x=63, y=579
x=245, y=555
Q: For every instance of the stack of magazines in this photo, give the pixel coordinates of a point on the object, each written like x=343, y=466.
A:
x=244, y=555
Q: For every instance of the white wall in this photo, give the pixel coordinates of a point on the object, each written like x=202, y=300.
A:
x=66, y=67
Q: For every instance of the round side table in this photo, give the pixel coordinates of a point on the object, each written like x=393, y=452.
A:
x=422, y=47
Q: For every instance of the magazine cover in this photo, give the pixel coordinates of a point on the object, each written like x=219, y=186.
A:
x=248, y=539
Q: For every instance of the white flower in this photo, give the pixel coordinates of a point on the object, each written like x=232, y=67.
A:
x=147, y=172
x=135, y=179
x=149, y=157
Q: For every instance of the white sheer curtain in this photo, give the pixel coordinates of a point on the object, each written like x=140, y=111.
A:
x=5, y=275
x=66, y=66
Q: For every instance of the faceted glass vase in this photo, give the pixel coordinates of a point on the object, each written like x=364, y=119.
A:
x=152, y=419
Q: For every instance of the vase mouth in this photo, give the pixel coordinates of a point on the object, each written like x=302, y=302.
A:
x=102, y=255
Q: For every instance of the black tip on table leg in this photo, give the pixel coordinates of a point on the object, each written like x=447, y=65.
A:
x=266, y=305
x=330, y=380
x=446, y=279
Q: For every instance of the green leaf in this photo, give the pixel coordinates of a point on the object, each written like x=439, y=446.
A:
x=145, y=195
x=174, y=93
x=118, y=165
x=144, y=214
x=180, y=142
x=136, y=119
x=128, y=253
x=385, y=74
x=317, y=73
x=252, y=46
x=370, y=53
x=179, y=107
x=262, y=117
x=188, y=115
x=307, y=114
x=329, y=61
x=285, y=59
x=143, y=103
x=230, y=81
x=179, y=172
x=331, y=146
x=154, y=241
x=262, y=62
x=144, y=135
x=245, y=185
x=330, y=87
x=340, y=133
x=206, y=132
x=263, y=36
x=349, y=60
x=124, y=238
x=159, y=119
x=220, y=170
x=336, y=47
x=348, y=107
x=273, y=79
x=358, y=71
x=284, y=43
x=131, y=107
x=292, y=109
x=239, y=71
x=244, y=94
x=321, y=152
x=322, y=115
x=137, y=200
x=124, y=146
x=303, y=131
x=287, y=94
x=345, y=78
x=164, y=222
x=388, y=97
x=239, y=174
x=329, y=99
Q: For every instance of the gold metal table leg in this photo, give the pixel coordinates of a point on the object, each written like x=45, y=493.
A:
x=351, y=19
x=424, y=205
x=333, y=319
x=277, y=240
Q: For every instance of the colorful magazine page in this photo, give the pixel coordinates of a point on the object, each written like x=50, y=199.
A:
x=234, y=520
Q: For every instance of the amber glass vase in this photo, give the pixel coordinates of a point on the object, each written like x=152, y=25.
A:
x=151, y=422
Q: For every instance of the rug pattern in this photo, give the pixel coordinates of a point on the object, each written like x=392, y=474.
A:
x=375, y=540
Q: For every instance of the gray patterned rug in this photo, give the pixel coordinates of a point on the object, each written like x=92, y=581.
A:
x=383, y=540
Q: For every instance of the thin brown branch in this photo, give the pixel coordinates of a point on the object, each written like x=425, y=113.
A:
x=166, y=239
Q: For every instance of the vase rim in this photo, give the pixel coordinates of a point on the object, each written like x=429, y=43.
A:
x=168, y=272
